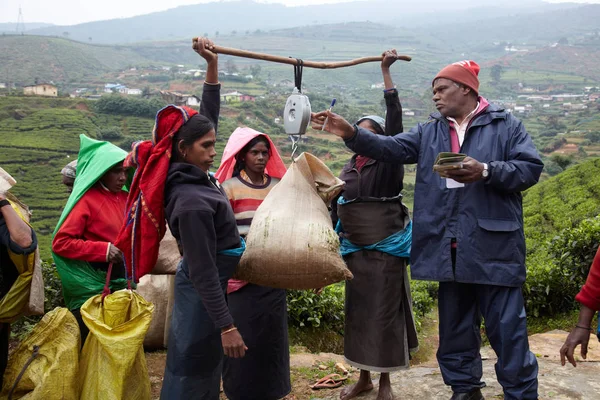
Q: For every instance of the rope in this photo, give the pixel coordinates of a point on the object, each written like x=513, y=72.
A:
x=36, y=352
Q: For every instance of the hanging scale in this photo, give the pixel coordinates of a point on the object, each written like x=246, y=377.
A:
x=296, y=114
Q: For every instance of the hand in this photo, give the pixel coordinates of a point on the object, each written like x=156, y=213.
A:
x=233, y=344
x=334, y=124
x=389, y=57
x=469, y=173
x=204, y=47
x=115, y=255
x=577, y=336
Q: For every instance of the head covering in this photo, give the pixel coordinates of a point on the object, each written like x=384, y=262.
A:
x=145, y=224
x=465, y=72
x=380, y=122
x=240, y=138
x=70, y=169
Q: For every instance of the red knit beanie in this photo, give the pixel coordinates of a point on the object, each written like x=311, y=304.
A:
x=464, y=72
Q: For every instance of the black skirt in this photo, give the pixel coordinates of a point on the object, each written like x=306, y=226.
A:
x=260, y=314
x=194, y=354
x=380, y=329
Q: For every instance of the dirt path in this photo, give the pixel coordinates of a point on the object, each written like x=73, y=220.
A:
x=423, y=379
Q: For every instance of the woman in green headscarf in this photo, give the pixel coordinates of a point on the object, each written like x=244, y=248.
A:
x=82, y=246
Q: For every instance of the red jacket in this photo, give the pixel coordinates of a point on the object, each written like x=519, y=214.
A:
x=590, y=292
x=93, y=223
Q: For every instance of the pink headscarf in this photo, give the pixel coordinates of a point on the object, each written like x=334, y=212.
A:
x=239, y=138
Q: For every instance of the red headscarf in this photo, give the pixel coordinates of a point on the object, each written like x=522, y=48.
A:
x=145, y=225
x=240, y=138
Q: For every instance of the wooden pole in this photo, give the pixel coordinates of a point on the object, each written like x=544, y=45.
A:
x=293, y=61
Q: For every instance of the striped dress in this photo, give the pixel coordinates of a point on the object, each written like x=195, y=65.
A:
x=259, y=313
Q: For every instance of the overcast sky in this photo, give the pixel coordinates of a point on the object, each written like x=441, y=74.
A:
x=69, y=12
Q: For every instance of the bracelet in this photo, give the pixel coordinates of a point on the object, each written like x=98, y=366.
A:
x=583, y=327
x=228, y=330
x=4, y=202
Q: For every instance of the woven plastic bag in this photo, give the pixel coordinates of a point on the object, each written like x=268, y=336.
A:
x=53, y=371
x=291, y=243
x=26, y=295
x=112, y=363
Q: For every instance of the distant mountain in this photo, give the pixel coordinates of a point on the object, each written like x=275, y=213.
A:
x=223, y=18
x=543, y=27
x=11, y=27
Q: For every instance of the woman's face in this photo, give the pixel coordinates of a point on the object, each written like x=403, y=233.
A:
x=115, y=178
x=256, y=158
x=368, y=125
x=202, y=152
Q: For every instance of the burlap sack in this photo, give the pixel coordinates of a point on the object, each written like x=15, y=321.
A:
x=35, y=306
x=170, y=302
x=291, y=243
x=156, y=290
x=168, y=256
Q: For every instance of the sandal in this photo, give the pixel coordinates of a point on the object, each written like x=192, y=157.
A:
x=330, y=381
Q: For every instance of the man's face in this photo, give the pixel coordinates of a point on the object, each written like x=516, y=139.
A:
x=449, y=97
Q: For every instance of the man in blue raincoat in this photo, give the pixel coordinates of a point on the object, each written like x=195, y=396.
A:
x=468, y=226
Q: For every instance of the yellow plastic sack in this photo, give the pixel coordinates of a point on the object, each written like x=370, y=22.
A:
x=112, y=363
x=53, y=373
x=291, y=243
x=26, y=295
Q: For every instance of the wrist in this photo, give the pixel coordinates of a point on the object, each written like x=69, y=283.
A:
x=584, y=327
x=227, y=327
x=350, y=132
x=4, y=202
x=485, y=172
x=226, y=331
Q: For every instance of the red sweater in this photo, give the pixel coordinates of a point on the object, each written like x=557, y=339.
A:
x=590, y=292
x=92, y=224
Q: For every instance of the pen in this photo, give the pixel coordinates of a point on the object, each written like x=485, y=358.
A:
x=330, y=108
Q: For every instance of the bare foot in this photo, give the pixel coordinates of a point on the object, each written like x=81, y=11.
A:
x=385, y=393
x=364, y=384
x=385, y=388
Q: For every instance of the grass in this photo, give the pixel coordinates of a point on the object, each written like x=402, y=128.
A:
x=562, y=321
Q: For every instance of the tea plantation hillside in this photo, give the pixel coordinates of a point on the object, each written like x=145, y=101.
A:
x=562, y=229
x=39, y=136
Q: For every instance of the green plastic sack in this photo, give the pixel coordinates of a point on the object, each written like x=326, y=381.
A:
x=53, y=373
x=112, y=363
x=79, y=280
